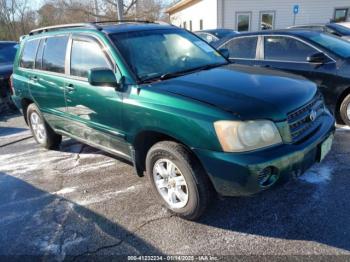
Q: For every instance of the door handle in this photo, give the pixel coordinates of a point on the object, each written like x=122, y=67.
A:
x=70, y=88
x=34, y=78
x=267, y=66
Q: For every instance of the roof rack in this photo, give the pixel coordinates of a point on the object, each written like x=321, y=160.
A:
x=57, y=27
x=122, y=21
x=93, y=25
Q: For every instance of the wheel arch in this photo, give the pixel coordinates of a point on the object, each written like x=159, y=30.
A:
x=339, y=101
x=145, y=139
x=25, y=102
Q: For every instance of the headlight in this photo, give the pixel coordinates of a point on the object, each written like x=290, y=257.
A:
x=240, y=136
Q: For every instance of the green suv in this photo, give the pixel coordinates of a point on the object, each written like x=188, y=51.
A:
x=165, y=100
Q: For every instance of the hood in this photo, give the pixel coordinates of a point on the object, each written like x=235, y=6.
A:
x=248, y=92
x=6, y=70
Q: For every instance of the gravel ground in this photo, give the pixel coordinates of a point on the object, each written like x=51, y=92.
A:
x=80, y=201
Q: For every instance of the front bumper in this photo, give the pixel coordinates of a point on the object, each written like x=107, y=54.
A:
x=237, y=174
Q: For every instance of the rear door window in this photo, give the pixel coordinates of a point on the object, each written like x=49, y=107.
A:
x=29, y=52
x=242, y=47
x=86, y=55
x=282, y=48
x=55, y=54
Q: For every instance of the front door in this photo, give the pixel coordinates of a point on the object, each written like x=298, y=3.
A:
x=290, y=54
x=94, y=111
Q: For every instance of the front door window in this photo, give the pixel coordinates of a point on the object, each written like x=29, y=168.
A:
x=280, y=48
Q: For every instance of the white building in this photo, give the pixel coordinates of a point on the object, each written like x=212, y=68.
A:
x=252, y=15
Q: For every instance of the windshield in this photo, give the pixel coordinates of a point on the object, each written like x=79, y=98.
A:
x=154, y=53
x=7, y=52
x=334, y=44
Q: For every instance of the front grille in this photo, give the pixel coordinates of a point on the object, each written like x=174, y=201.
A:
x=301, y=123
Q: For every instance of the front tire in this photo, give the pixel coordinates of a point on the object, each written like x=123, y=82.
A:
x=42, y=132
x=345, y=110
x=178, y=179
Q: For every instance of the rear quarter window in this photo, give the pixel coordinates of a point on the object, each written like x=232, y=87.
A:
x=29, y=53
x=55, y=54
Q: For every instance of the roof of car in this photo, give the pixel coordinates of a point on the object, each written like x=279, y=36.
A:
x=107, y=27
x=215, y=30
x=127, y=27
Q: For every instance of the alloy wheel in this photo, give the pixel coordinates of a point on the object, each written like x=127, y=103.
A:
x=38, y=127
x=170, y=183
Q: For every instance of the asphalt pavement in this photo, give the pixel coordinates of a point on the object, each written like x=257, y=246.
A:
x=80, y=201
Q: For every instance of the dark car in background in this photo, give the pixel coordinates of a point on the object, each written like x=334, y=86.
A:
x=213, y=35
x=339, y=29
x=7, y=55
x=318, y=56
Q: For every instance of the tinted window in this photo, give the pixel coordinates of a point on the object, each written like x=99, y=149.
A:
x=85, y=56
x=286, y=49
x=29, y=52
x=8, y=52
x=39, y=55
x=55, y=54
x=243, y=47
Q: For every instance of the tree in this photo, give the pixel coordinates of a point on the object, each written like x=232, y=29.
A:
x=16, y=18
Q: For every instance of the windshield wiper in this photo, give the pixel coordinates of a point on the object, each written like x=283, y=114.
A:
x=181, y=73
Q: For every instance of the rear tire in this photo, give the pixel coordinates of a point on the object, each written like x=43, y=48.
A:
x=178, y=179
x=42, y=132
x=345, y=110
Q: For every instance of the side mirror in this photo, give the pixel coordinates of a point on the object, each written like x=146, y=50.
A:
x=317, y=58
x=224, y=52
x=102, y=77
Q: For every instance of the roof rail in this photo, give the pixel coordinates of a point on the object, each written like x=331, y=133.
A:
x=122, y=21
x=93, y=25
x=57, y=27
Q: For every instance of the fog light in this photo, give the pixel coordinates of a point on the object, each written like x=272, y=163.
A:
x=268, y=176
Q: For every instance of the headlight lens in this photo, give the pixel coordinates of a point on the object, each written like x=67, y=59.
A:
x=240, y=136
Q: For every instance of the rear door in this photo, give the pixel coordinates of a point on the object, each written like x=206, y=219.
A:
x=23, y=74
x=47, y=79
x=94, y=111
x=243, y=50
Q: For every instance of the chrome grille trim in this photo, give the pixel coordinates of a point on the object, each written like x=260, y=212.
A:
x=299, y=121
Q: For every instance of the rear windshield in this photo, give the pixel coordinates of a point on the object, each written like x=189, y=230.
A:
x=8, y=52
x=334, y=44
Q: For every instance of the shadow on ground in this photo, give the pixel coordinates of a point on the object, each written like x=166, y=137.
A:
x=35, y=222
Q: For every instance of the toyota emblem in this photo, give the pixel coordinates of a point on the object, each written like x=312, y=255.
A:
x=313, y=115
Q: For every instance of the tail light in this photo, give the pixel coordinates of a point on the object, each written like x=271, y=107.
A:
x=12, y=89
